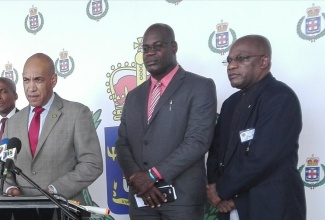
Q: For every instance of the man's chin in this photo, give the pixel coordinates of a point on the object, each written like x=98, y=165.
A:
x=153, y=70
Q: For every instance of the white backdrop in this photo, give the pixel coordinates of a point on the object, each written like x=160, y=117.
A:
x=96, y=44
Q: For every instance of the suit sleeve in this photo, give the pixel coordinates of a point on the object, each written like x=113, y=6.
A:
x=198, y=135
x=123, y=148
x=213, y=157
x=88, y=155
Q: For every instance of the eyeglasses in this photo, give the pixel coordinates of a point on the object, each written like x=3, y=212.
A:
x=239, y=59
x=155, y=47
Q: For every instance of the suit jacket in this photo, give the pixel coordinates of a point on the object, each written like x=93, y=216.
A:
x=176, y=139
x=260, y=175
x=68, y=153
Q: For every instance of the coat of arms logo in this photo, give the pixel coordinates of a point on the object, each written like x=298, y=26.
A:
x=96, y=10
x=176, y=2
x=311, y=27
x=221, y=38
x=10, y=73
x=65, y=63
x=124, y=78
x=314, y=173
x=34, y=21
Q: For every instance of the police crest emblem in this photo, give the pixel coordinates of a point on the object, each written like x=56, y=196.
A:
x=313, y=28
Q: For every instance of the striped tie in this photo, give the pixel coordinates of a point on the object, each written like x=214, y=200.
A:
x=154, y=99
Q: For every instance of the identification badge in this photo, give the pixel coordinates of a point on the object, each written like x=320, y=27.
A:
x=247, y=135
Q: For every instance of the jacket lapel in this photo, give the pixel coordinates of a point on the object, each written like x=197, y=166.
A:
x=143, y=102
x=247, y=118
x=23, y=128
x=50, y=120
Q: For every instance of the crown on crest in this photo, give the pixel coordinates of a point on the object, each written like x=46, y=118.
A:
x=222, y=26
x=63, y=54
x=120, y=82
x=312, y=161
x=313, y=11
x=8, y=67
x=33, y=11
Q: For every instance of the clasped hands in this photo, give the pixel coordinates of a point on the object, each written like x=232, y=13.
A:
x=214, y=199
x=143, y=186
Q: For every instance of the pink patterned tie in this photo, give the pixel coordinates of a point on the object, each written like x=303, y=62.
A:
x=154, y=99
x=34, y=127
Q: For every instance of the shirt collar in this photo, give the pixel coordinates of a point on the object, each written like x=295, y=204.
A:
x=166, y=80
x=10, y=113
x=47, y=105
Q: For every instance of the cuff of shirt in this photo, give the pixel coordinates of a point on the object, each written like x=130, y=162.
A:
x=52, y=189
x=11, y=187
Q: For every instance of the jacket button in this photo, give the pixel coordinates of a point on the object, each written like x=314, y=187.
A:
x=34, y=173
x=145, y=163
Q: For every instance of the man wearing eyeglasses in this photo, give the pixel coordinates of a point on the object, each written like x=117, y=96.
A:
x=166, y=129
x=252, y=163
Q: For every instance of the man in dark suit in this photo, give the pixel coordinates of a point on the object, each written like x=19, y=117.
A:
x=166, y=143
x=252, y=164
x=8, y=97
x=67, y=157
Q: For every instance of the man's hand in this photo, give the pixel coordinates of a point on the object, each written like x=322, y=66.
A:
x=14, y=192
x=226, y=206
x=153, y=197
x=212, y=194
x=140, y=182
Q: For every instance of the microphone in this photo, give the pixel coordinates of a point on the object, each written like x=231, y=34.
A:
x=3, y=148
x=3, y=152
x=3, y=145
x=9, y=157
x=6, y=149
x=96, y=210
x=13, y=148
x=14, y=143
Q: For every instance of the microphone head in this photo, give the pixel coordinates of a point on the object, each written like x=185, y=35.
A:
x=14, y=143
x=3, y=146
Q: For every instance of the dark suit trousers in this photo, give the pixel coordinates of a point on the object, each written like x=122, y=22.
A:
x=168, y=212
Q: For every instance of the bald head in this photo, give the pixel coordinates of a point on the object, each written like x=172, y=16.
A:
x=249, y=61
x=159, y=50
x=42, y=60
x=39, y=79
x=166, y=32
x=258, y=44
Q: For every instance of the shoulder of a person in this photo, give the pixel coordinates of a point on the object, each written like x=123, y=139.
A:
x=20, y=113
x=233, y=98
x=280, y=88
x=73, y=104
x=139, y=88
x=197, y=78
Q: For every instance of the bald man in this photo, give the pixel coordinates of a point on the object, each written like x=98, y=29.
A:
x=67, y=157
x=252, y=163
x=166, y=146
